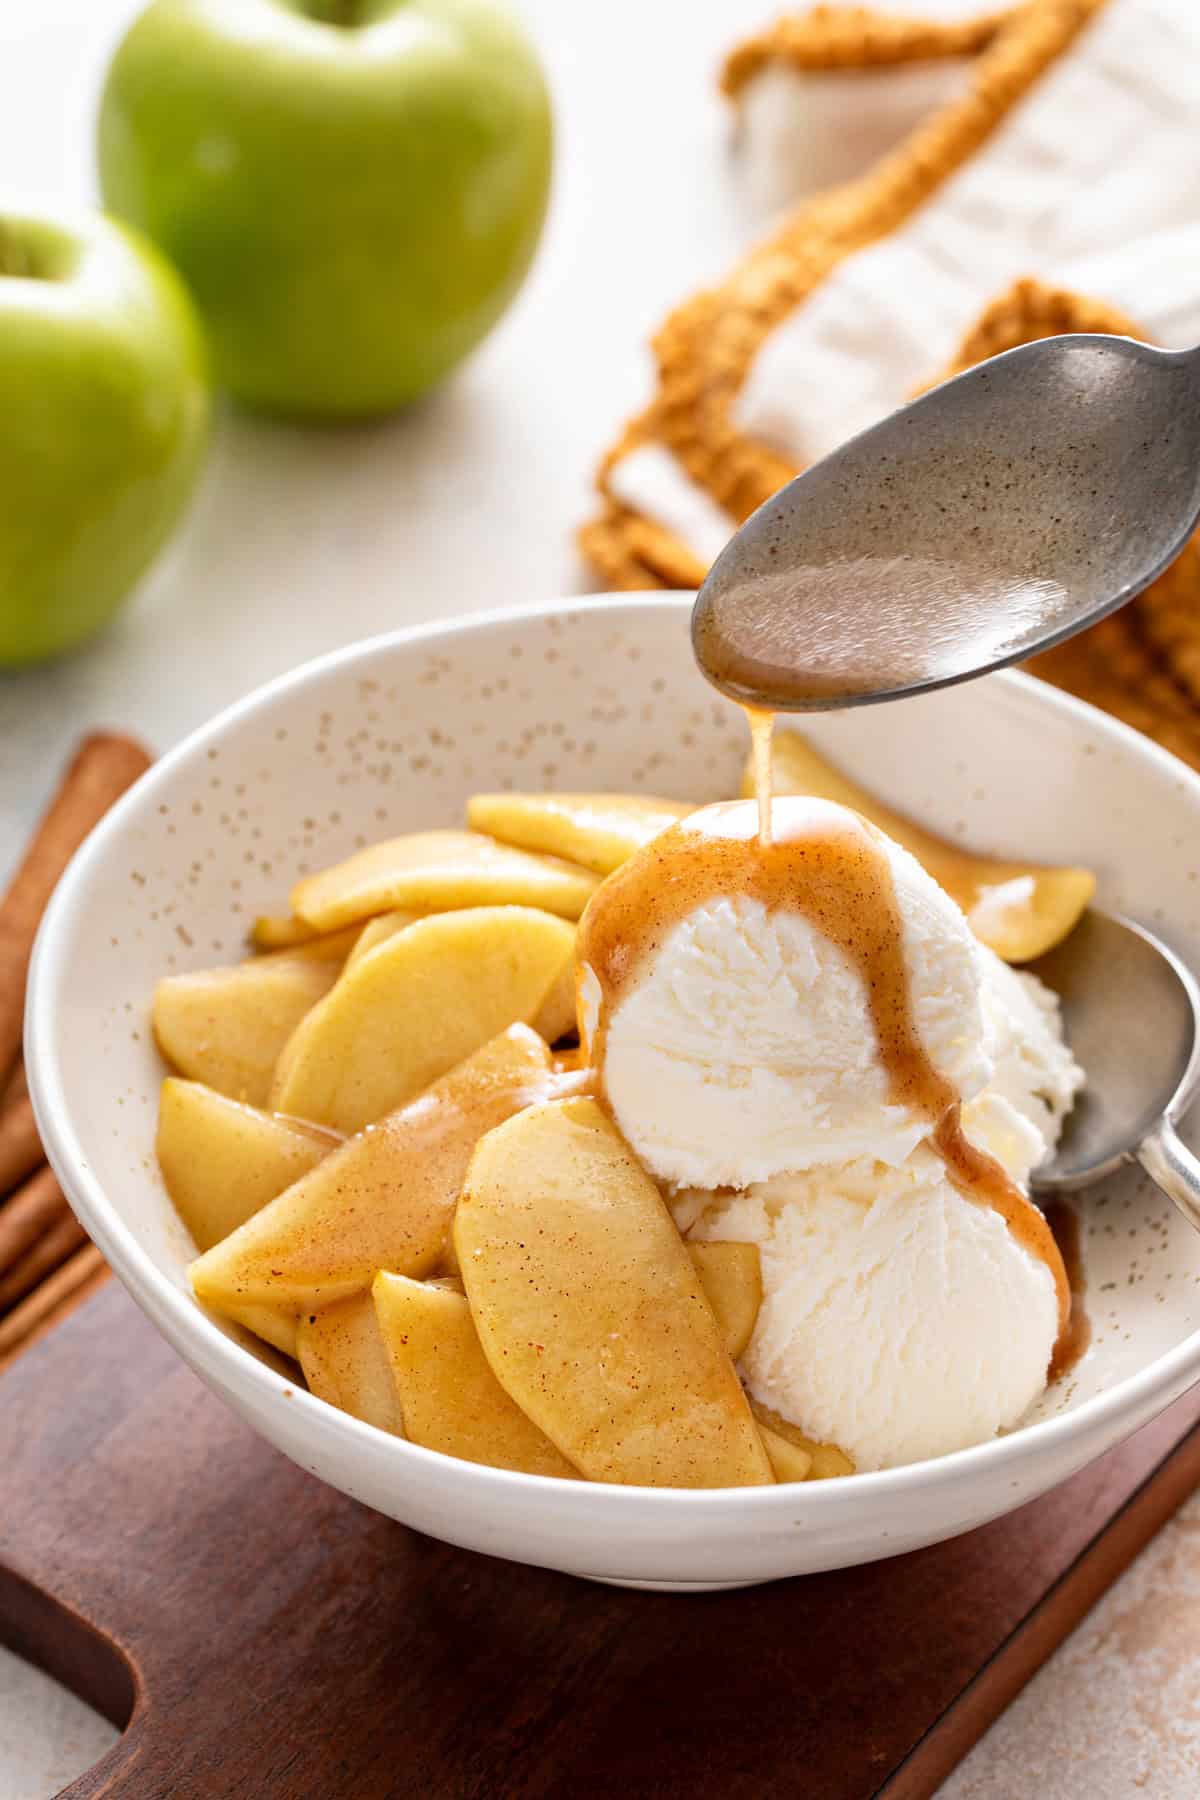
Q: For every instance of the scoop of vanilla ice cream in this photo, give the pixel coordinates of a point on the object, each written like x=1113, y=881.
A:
x=1034, y=1067
x=743, y=1046
x=1019, y=1116
x=899, y=1319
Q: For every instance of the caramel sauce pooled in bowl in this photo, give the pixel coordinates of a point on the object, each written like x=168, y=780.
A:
x=832, y=868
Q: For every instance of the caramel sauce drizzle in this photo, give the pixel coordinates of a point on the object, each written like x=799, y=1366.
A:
x=831, y=867
x=1075, y=1341
x=762, y=731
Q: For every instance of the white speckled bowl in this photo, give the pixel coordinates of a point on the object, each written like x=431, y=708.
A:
x=395, y=734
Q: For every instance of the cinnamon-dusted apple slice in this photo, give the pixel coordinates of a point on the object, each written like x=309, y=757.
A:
x=788, y=1460
x=329, y=946
x=270, y=935
x=415, y=1006
x=222, y=1160
x=731, y=1276
x=590, y=1310
x=279, y=1329
x=346, y=1362
x=450, y=1399
x=384, y=1200
x=556, y=1016
x=600, y=831
x=378, y=931
x=826, y=1460
x=432, y=871
x=280, y=931
x=1019, y=909
x=227, y=1027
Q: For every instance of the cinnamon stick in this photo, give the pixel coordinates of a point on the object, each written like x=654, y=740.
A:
x=50, y=1303
x=25, y=1215
x=50, y=1251
x=17, y=1087
x=103, y=767
x=20, y=1147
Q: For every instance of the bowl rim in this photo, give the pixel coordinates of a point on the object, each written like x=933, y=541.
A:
x=196, y=1335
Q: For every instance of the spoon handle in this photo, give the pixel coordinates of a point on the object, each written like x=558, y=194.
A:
x=1169, y=1162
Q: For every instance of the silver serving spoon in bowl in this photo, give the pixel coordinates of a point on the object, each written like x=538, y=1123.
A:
x=1130, y=1008
x=994, y=517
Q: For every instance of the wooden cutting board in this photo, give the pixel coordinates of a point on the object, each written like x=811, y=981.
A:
x=263, y=1637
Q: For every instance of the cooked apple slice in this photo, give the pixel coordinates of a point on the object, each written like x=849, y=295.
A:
x=450, y=1399
x=788, y=1460
x=600, y=831
x=1020, y=909
x=279, y=1329
x=447, y=1265
x=378, y=931
x=221, y=1159
x=329, y=946
x=345, y=1362
x=382, y=1201
x=414, y=1007
x=556, y=1017
x=731, y=1276
x=590, y=1310
x=827, y=1459
x=435, y=870
x=273, y=934
x=227, y=1027
x=280, y=931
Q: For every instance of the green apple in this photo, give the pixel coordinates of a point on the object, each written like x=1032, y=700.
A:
x=104, y=411
x=353, y=189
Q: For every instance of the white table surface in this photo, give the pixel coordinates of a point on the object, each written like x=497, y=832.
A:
x=302, y=540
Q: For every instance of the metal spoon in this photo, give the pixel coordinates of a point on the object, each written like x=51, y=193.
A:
x=1130, y=1008
x=995, y=516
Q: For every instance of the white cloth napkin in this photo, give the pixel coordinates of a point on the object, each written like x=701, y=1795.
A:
x=1092, y=183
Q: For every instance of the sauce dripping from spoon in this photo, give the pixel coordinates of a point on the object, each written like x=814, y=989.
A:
x=762, y=731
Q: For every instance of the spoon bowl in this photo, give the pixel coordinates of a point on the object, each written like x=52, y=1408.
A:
x=1130, y=1009
x=995, y=516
